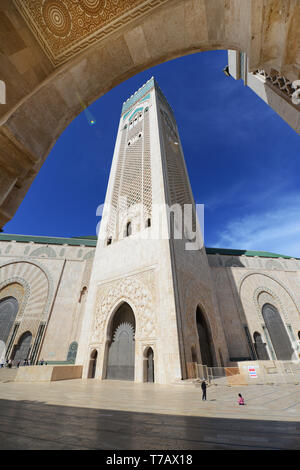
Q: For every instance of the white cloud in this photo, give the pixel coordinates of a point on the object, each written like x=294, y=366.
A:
x=276, y=230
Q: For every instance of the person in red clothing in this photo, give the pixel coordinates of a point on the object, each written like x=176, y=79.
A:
x=241, y=400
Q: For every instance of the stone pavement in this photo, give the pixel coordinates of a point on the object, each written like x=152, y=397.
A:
x=92, y=414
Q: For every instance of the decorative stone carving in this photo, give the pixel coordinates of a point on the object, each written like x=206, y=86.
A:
x=273, y=278
x=43, y=251
x=290, y=90
x=27, y=249
x=39, y=289
x=66, y=27
x=132, y=290
x=234, y=262
x=125, y=326
x=296, y=94
x=264, y=295
x=19, y=288
x=56, y=17
x=272, y=264
x=89, y=255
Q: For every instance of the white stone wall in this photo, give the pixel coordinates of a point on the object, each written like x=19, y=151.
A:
x=51, y=277
x=158, y=278
x=243, y=285
x=138, y=271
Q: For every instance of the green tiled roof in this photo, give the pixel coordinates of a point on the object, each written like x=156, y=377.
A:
x=91, y=240
x=76, y=241
x=231, y=252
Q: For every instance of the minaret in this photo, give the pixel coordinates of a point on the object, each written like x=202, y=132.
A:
x=150, y=310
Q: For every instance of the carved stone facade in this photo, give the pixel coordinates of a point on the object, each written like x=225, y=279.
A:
x=45, y=281
x=137, y=290
x=161, y=281
x=244, y=286
x=138, y=286
x=66, y=27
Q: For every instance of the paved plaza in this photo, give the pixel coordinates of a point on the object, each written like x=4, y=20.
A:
x=119, y=415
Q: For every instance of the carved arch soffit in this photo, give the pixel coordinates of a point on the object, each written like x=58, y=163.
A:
x=46, y=273
x=268, y=290
x=137, y=295
x=276, y=298
x=23, y=301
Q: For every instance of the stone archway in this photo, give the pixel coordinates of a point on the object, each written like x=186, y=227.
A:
x=260, y=347
x=148, y=365
x=22, y=349
x=123, y=39
x=277, y=332
x=205, y=339
x=121, y=347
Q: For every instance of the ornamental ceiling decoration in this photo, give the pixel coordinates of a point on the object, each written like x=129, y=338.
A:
x=66, y=27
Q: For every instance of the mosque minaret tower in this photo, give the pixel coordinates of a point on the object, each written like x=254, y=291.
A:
x=151, y=310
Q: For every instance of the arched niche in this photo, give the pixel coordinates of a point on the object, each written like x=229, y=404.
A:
x=148, y=365
x=205, y=339
x=194, y=354
x=121, y=344
x=22, y=348
x=278, y=334
x=93, y=364
x=260, y=347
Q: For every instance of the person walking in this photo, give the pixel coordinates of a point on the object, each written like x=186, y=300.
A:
x=203, y=386
x=241, y=400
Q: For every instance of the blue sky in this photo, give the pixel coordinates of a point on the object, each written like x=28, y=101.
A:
x=243, y=161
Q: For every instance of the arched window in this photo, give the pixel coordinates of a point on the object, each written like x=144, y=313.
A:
x=148, y=223
x=128, y=229
x=150, y=365
x=109, y=241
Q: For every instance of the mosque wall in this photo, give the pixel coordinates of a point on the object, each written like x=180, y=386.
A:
x=49, y=282
x=243, y=285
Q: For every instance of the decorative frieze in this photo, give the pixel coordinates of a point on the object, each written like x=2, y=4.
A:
x=132, y=290
x=290, y=90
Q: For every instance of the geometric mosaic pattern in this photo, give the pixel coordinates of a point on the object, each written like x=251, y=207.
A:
x=66, y=27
